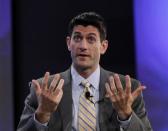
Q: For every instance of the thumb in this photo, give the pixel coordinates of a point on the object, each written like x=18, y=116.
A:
x=138, y=91
x=36, y=86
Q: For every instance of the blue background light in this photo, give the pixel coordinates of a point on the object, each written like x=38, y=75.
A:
x=6, y=100
x=151, y=35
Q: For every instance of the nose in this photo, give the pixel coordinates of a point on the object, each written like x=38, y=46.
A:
x=83, y=45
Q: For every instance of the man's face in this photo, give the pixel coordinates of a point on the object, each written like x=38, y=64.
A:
x=86, y=47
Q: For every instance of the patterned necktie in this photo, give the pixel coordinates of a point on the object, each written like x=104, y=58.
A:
x=86, y=111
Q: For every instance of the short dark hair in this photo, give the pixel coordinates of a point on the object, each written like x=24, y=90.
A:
x=89, y=18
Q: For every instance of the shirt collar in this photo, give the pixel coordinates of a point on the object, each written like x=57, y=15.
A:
x=93, y=79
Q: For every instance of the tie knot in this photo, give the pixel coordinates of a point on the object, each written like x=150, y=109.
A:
x=85, y=83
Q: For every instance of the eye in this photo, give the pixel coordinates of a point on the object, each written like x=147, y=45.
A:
x=91, y=39
x=77, y=38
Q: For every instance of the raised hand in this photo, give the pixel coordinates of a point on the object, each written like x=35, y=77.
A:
x=48, y=97
x=121, y=99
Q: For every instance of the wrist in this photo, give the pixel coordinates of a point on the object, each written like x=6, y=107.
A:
x=124, y=115
x=42, y=117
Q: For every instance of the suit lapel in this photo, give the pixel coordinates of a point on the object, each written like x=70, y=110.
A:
x=107, y=115
x=66, y=102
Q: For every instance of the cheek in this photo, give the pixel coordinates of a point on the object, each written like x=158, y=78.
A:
x=96, y=52
x=73, y=50
x=71, y=47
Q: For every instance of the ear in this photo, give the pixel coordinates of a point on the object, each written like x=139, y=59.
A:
x=68, y=41
x=104, y=46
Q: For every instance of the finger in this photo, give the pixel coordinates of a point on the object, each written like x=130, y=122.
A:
x=57, y=95
x=59, y=86
x=45, y=81
x=119, y=86
x=110, y=94
x=36, y=87
x=54, y=82
x=138, y=91
x=108, y=90
x=128, y=85
x=112, y=86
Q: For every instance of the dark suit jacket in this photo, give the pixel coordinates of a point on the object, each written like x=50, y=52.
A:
x=61, y=119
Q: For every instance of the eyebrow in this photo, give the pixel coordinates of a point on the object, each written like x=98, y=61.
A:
x=76, y=33
x=92, y=34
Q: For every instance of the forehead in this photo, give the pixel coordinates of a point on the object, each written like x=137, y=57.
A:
x=85, y=30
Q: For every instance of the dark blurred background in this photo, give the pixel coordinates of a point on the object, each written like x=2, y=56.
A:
x=35, y=43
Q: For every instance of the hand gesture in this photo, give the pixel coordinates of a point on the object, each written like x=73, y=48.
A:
x=48, y=97
x=121, y=99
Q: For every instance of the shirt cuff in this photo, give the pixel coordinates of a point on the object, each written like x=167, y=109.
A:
x=124, y=124
x=39, y=125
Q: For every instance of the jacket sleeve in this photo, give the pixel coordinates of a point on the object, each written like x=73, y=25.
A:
x=139, y=120
x=27, y=122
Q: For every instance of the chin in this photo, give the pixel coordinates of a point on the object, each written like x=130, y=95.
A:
x=82, y=65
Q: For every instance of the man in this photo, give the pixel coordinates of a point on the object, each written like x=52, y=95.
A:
x=85, y=97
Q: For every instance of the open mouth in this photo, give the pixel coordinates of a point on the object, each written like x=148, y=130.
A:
x=83, y=55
